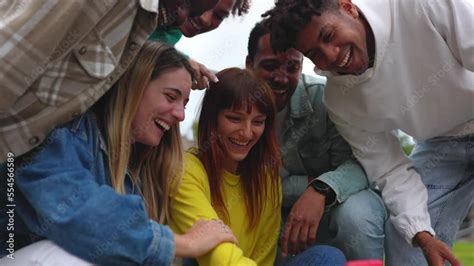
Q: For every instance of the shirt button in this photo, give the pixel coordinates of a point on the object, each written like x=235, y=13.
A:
x=76, y=114
x=133, y=46
x=34, y=140
x=83, y=50
x=109, y=80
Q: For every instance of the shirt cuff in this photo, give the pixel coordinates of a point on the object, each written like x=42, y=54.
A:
x=162, y=248
x=414, y=228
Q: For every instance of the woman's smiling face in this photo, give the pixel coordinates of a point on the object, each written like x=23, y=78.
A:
x=162, y=106
x=238, y=131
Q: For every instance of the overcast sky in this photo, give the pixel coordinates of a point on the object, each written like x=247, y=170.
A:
x=222, y=48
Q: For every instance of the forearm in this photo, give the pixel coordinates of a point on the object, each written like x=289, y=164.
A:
x=387, y=167
x=346, y=180
x=225, y=254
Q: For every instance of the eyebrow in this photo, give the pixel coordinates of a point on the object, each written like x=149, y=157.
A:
x=323, y=29
x=239, y=112
x=175, y=90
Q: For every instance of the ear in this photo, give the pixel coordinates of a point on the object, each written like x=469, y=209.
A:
x=248, y=63
x=348, y=7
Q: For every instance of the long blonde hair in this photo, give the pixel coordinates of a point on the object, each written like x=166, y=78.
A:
x=155, y=170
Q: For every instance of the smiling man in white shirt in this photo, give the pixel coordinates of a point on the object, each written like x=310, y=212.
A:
x=398, y=65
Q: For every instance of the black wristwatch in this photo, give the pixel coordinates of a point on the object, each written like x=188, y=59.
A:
x=325, y=190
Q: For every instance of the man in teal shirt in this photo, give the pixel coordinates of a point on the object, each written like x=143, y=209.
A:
x=326, y=196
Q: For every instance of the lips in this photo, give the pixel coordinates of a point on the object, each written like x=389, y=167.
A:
x=162, y=124
x=280, y=92
x=194, y=25
x=346, y=59
x=238, y=142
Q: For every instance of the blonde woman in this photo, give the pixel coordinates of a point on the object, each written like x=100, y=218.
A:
x=98, y=189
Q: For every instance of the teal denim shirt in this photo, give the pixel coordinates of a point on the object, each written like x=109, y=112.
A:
x=63, y=193
x=311, y=146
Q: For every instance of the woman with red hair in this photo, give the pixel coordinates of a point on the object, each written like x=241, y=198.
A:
x=233, y=174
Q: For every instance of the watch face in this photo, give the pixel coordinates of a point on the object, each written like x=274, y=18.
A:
x=321, y=187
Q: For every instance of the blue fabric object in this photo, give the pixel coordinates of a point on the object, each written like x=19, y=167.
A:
x=63, y=194
x=446, y=167
x=317, y=256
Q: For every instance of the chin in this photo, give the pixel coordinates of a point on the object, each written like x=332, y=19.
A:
x=239, y=157
x=152, y=142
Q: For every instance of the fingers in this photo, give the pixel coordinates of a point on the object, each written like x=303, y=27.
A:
x=285, y=238
x=448, y=255
x=201, y=83
x=313, y=229
x=208, y=74
x=202, y=75
x=303, y=239
x=294, y=235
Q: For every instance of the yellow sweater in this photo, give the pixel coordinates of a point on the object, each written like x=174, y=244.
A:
x=193, y=201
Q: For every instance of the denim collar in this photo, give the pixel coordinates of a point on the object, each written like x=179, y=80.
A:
x=300, y=104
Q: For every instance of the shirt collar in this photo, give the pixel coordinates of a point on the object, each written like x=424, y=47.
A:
x=300, y=104
x=150, y=5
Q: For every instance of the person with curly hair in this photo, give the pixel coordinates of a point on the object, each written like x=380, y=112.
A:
x=398, y=65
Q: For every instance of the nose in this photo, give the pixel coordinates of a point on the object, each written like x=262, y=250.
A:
x=178, y=113
x=280, y=76
x=206, y=19
x=246, y=130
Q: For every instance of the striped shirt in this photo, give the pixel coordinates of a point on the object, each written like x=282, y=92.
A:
x=58, y=57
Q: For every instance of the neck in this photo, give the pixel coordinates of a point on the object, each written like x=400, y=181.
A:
x=230, y=166
x=370, y=38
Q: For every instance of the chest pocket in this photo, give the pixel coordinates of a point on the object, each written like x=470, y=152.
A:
x=88, y=64
x=95, y=57
x=314, y=147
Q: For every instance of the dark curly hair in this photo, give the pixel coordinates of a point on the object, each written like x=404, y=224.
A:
x=289, y=17
x=241, y=7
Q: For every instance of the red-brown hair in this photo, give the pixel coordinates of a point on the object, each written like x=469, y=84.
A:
x=236, y=89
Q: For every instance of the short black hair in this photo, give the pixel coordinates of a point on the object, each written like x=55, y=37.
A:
x=289, y=17
x=260, y=29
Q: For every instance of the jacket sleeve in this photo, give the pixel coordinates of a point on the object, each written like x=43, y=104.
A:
x=191, y=203
x=65, y=204
x=388, y=168
x=453, y=20
x=34, y=33
x=348, y=176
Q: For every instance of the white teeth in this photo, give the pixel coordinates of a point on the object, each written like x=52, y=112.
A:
x=162, y=124
x=194, y=24
x=241, y=143
x=346, y=58
x=280, y=92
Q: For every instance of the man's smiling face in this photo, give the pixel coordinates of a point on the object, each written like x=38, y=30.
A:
x=282, y=71
x=336, y=41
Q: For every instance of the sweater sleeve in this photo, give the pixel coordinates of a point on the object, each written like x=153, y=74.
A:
x=64, y=202
x=193, y=202
x=403, y=192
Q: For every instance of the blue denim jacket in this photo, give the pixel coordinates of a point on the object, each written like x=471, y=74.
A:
x=311, y=146
x=63, y=194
